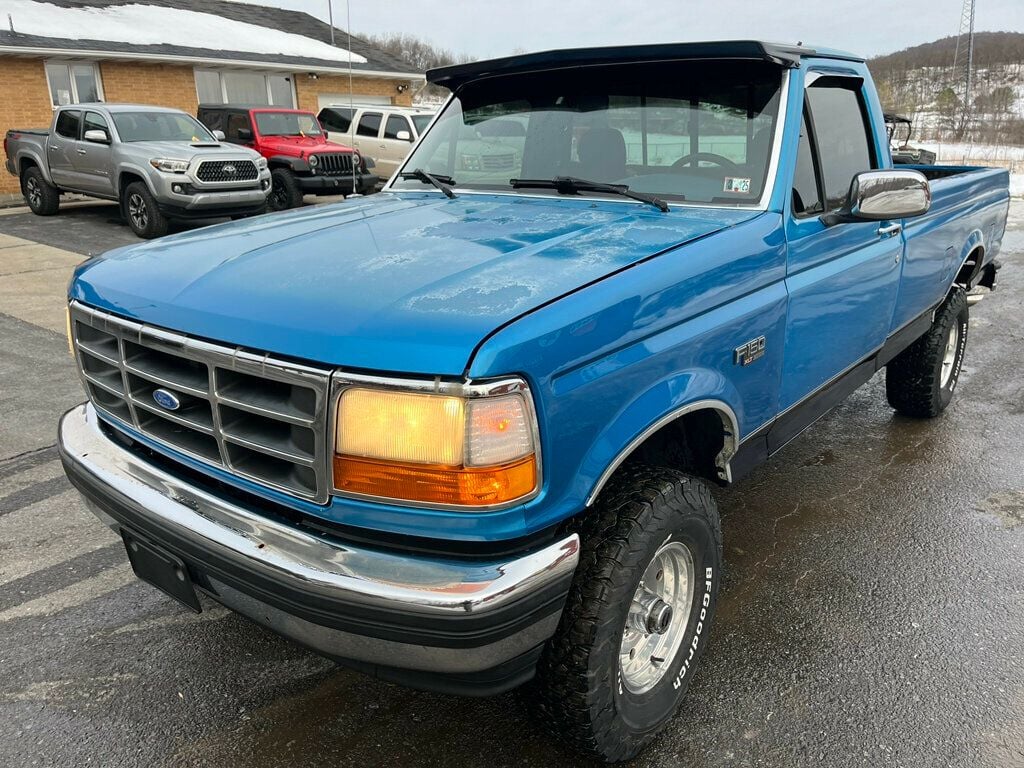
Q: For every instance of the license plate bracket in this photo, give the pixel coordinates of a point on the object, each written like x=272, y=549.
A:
x=161, y=569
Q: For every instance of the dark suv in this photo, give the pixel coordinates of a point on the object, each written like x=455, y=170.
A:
x=302, y=160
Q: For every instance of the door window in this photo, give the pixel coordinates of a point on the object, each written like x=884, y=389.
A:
x=841, y=130
x=94, y=122
x=369, y=124
x=807, y=180
x=336, y=118
x=68, y=123
x=237, y=122
x=395, y=124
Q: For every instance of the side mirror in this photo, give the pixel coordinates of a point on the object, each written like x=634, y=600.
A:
x=245, y=134
x=96, y=136
x=403, y=136
x=219, y=135
x=885, y=195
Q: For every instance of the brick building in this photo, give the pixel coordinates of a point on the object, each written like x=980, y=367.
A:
x=176, y=53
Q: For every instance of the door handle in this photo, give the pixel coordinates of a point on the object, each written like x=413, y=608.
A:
x=890, y=231
x=80, y=151
x=54, y=148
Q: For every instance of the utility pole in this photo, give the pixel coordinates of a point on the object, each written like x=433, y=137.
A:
x=963, y=66
x=330, y=17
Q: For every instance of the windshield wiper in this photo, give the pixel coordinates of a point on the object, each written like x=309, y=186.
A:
x=441, y=182
x=570, y=185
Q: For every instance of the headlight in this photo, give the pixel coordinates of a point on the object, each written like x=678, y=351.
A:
x=437, y=449
x=261, y=163
x=314, y=161
x=169, y=165
x=357, y=161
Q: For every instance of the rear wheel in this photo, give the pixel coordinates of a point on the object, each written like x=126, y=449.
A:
x=284, y=191
x=143, y=216
x=638, y=614
x=42, y=197
x=919, y=382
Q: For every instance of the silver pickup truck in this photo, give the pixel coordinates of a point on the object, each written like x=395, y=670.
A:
x=159, y=164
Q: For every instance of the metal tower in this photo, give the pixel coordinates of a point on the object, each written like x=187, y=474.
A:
x=963, y=66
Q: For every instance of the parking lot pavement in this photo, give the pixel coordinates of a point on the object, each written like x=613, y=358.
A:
x=91, y=226
x=872, y=611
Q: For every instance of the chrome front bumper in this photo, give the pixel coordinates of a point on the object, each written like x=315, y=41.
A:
x=385, y=610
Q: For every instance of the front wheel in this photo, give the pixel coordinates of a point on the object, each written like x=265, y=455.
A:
x=140, y=208
x=919, y=382
x=638, y=614
x=284, y=190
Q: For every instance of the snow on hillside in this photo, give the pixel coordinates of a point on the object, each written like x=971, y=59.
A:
x=143, y=24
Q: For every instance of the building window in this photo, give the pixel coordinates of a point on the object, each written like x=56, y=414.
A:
x=73, y=83
x=238, y=86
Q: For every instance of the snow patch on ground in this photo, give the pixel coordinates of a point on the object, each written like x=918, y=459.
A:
x=142, y=24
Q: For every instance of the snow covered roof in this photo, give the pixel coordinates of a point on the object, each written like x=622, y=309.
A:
x=202, y=30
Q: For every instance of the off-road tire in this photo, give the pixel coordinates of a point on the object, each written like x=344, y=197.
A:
x=42, y=197
x=913, y=379
x=141, y=212
x=285, y=192
x=579, y=689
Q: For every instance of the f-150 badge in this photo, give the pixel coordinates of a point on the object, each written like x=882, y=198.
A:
x=749, y=352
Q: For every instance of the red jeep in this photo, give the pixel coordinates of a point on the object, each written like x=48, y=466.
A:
x=302, y=160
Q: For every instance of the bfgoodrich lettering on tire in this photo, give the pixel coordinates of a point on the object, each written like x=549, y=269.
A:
x=920, y=381
x=638, y=615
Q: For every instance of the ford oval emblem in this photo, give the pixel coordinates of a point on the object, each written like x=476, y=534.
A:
x=167, y=400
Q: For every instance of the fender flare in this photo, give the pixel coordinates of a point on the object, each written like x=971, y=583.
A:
x=28, y=156
x=134, y=170
x=975, y=241
x=659, y=405
x=295, y=164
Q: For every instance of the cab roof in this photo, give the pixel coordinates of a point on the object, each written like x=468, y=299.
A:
x=784, y=55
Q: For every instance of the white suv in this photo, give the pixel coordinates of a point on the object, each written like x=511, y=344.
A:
x=384, y=133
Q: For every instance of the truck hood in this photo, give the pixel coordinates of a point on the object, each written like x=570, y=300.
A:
x=186, y=150
x=293, y=145
x=408, y=282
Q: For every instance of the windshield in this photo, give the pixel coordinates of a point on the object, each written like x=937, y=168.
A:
x=421, y=122
x=287, y=124
x=699, y=131
x=160, y=126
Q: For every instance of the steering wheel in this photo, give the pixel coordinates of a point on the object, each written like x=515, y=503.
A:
x=708, y=157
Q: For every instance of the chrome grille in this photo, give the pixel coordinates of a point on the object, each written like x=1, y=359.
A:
x=226, y=170
x=256, y=416
x=335, y=163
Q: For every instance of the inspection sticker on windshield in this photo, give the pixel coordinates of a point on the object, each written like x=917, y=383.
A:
x=737, y=185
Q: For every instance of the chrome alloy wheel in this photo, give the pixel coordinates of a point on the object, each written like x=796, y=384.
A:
x=137, y=211
x=949, y=357
x=33, y=193
x=657, y=618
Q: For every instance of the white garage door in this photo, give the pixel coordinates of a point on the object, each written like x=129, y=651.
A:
x=326, y=99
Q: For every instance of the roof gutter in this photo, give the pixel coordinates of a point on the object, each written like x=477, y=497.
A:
x=165, y=58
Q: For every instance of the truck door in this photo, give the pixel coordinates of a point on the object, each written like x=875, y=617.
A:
x=367, y=133
x=92, y=159
x=60, y=147
x=395, y=144
x=842, y=279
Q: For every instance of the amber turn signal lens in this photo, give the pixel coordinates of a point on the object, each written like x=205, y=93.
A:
x=462, y=486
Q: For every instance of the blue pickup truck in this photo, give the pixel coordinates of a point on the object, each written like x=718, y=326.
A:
x=464, y=435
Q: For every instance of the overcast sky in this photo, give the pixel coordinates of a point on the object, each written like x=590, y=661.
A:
x=485, y=28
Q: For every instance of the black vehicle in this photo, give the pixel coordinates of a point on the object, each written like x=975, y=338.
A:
x=902, y=152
